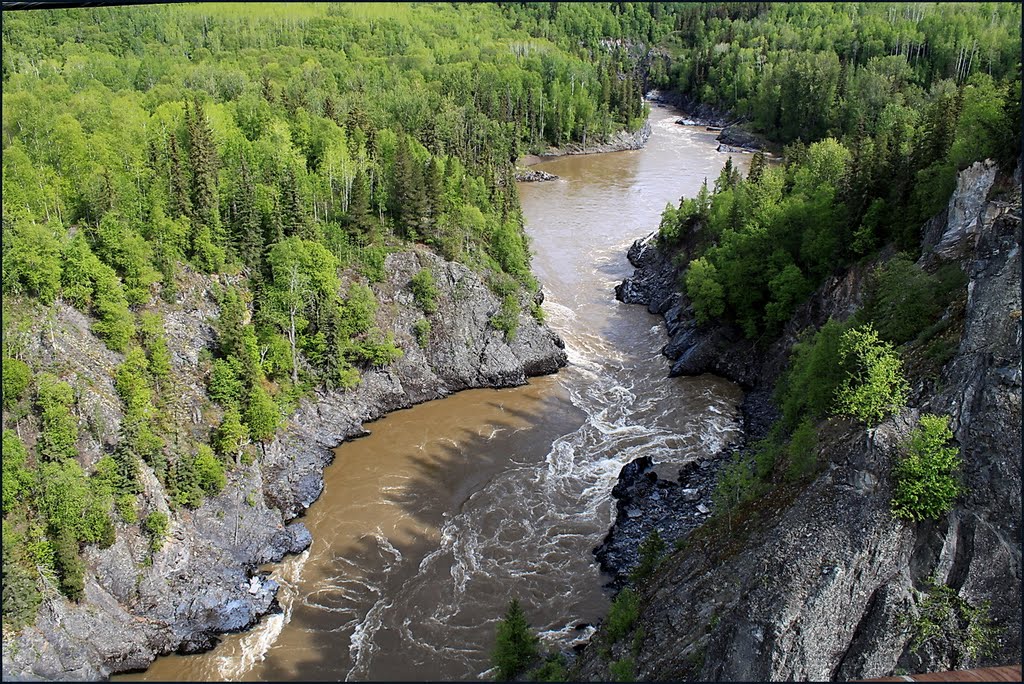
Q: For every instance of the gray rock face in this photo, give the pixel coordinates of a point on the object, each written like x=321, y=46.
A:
x=534, y=176
x=739, y=140
x=203, y=581
x=820, y=587
x=621, y=141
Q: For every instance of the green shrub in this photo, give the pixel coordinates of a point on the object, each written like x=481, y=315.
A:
x=372, y=266
x=358, y=310
x=623, y=613
x=901, y=300
x=17, y=478
x=151, y=328
x=815, y=373
x=651, y=551
x=346, y=376
x=206, y=254
x=125, y=505
x=424, y=291
x=537, y=311
x=116, y=325
x=31, y=259
x=209, y=471
x=623, y=670
x=156, y=525
x=553, y=670
x=117, y=473
x=375, y=351
x=70, y=567
x=16, y=378
x=21, y=596
x=232, y=435
x=225, y=385
x=950, y=623
x=59, y=434
x=802, y=450
x=421, y=329
x=64, y=496
x=704, y=290
x=874, y=386
x=735, y=483
x=924, y=479
x=183, y=482
x=262, y=415
x=507, y=317
x=132, y=383
x=515, y=645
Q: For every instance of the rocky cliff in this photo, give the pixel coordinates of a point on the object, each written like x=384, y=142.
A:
x=204, y=580
x=822, y=582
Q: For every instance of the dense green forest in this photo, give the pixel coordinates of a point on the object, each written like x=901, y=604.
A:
x=278, y=147
x=877, y=131
x=275, y=147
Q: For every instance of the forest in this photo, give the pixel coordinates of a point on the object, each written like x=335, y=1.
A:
x=277, y=148
x=273, y=148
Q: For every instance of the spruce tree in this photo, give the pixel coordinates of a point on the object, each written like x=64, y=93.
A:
x=410, y=209
x=248, y=237
x=359, y=220
x=181, y=202
x=293, y=219
x=203, y=159
x=515, y=645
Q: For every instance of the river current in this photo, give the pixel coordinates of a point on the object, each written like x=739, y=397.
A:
x=427, y=527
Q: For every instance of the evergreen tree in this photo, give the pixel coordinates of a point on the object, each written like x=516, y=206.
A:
x=248, y=235
x=294, y=222
x=181, y=201
x=757, y=166
x=204, y=161
x=410, y=209
x=515, y=645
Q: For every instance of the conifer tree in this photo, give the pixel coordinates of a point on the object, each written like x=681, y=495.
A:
x=203, y=159
x=515, y=645
x=181, y=202
x=293, y=218
x=248, y=237
x=359, y=220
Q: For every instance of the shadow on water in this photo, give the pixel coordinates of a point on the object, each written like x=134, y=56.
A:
x=440, y=480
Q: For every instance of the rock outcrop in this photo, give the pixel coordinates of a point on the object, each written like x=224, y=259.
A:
x=534, y=176
x=204, y=580
x=823, y=583
x=619, y=142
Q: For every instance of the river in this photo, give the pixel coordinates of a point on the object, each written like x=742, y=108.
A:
x=429, y=525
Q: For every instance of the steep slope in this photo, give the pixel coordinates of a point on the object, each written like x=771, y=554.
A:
x=822, y=582
x=204, y=579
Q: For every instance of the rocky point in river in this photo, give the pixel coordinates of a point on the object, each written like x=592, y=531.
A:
x=204, y=580
x=824, y=584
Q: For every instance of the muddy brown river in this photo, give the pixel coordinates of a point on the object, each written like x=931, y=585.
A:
x=427, y=527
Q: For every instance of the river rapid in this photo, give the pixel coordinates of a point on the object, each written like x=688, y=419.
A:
x=427, y=527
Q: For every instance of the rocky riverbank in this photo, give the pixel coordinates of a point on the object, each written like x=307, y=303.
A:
x=820, y=585
x=619, y=142
x=732, y=137
x=204, y=580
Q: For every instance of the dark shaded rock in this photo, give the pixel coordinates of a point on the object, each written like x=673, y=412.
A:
x=644, y=502
x=739, y=139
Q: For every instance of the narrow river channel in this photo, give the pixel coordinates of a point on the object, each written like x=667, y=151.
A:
x=428, y=526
